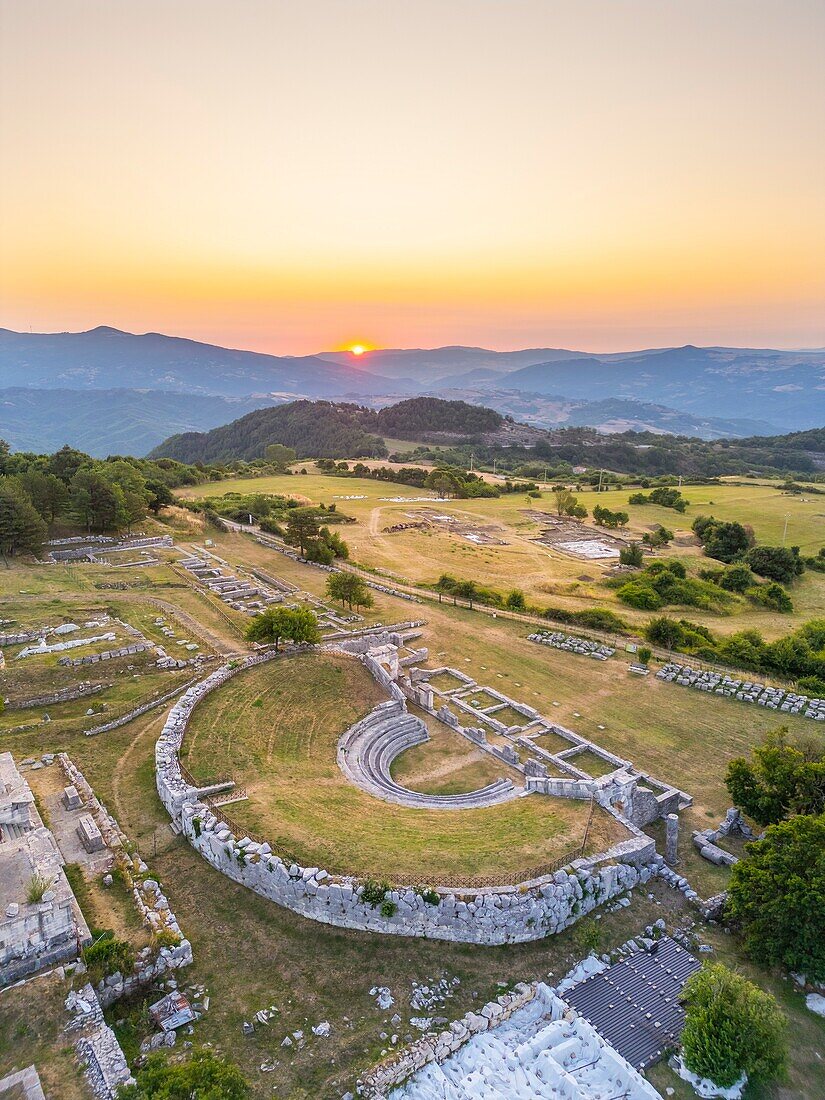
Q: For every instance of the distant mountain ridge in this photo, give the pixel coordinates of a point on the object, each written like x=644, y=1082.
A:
x=106, y=358
x=709, y=392
x=106, y=422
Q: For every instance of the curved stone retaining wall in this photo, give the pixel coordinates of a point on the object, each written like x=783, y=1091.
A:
x=511, y=914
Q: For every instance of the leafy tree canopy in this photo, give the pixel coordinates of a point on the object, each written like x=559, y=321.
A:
x=203, y=1076
x=732, y=1027
x=777, y=896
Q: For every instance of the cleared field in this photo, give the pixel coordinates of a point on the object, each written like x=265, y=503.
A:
x=547, y=575
x=276, y=729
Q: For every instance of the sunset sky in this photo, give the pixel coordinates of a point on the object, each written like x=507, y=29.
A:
x=300, y=175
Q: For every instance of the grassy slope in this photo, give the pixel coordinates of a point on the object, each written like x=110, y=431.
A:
x=546, y=575
x=252, y=954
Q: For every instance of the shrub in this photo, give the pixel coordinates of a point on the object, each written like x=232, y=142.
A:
x=165, y=937
x=731, y=1028
x=107, y=955
x=429, y=895
x=632, y=555
x=374, y=892
x=203, y=1075
x=644, y=654
x=640, y=595
x=721, y=540
x=777, y=563
x=388, y=909
x=772, y=596
x=736, y=578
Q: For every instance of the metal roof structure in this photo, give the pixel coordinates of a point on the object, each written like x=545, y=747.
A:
x=634, y=1005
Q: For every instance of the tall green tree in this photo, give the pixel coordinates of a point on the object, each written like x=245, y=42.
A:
x=732, y=1027
x=302, y=527
x=777, y=896
x=22, y=530
x=47, y=492
x=782, y=777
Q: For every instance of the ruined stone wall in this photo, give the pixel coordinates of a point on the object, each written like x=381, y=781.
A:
x=511, y=914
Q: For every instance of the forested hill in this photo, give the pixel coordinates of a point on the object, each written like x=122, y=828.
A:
x=324, y=429
x=420, y=417
x=314, y=429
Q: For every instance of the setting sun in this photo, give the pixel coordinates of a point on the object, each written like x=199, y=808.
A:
x=357, y=349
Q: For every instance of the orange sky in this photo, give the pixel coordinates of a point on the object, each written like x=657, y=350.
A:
x=293, y=177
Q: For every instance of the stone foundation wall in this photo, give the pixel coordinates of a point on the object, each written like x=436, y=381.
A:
x=511, y=914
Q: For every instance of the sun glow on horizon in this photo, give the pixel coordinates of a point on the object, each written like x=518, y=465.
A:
x=357, y=349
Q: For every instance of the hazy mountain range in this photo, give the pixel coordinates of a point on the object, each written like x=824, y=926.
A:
x=121, y=392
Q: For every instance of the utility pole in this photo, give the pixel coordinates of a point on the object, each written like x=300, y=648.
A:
x=680, y=481
x=785, y=532
x=545, y=476
x=495, y=460
x=471, y=463
x=601, y=472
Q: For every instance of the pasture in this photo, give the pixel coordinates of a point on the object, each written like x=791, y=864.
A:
x=508, y=554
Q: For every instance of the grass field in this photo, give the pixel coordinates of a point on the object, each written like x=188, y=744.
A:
x=546, y=575
x=275, y=728
x=251, y=954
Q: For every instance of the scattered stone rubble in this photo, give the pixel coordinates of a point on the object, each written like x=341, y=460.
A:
x=717, y=683
x=572, y=644
x=150, y=901
x=705, y=840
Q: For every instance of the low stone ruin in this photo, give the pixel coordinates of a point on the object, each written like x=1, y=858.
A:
x=733, y=825
x=572, y=644
x=717, y=683
x=50, y=929
x=96, y=1045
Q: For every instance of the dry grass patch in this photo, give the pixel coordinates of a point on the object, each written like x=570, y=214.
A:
x=275, y=728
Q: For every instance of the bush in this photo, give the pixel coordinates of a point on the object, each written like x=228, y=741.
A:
x=777, y=563
x=644, y=653
x=388, y=909
x=632, y=555
x=107, y=955
x=205, y=1076
x=772, y=596
x=736, y=578
x=374, y=892
x=640, y=595
x=723, y=541
x=731, y=1028
x=429, y=895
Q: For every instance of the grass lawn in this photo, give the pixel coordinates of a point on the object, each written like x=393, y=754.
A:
x=547, y=575
x=275, y=728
